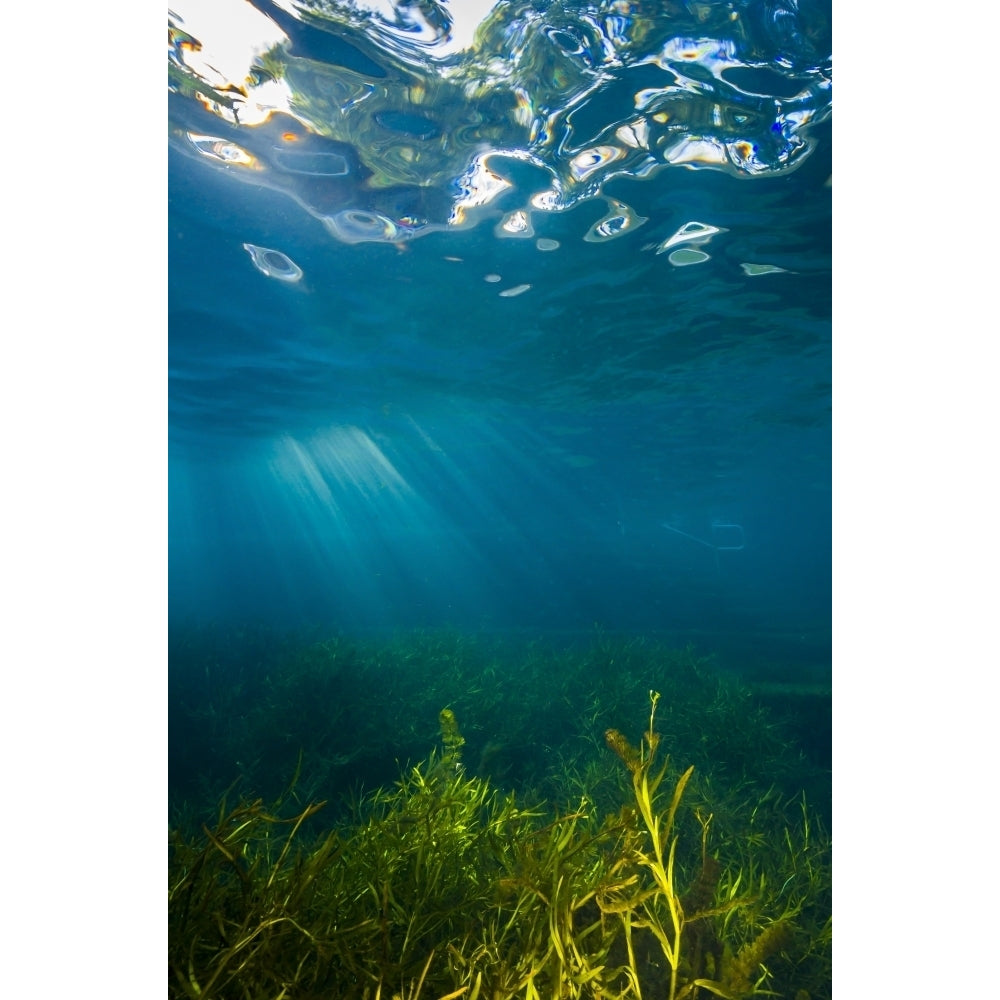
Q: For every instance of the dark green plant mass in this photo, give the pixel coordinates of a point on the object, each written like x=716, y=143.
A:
x=244, y=705
x=634, y=876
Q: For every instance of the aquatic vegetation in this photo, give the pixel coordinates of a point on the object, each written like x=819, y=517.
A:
x=533, y=717
x=443, y=886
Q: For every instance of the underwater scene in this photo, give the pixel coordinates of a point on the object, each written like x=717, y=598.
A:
x=499, y=499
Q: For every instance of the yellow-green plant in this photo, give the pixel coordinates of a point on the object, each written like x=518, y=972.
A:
x=658, y=858
x=442, y=887
x=682, y=922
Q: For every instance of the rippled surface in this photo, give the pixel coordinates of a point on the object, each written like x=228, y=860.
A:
x=390, y=120
x=512, y=314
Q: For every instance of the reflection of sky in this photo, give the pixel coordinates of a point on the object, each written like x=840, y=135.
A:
x=465, y=16
x=583, y=99
x=231, y=32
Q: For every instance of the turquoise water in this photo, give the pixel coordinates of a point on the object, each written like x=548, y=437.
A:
x=510, y=322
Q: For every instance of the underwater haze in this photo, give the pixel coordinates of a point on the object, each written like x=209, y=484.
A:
x=508, y=318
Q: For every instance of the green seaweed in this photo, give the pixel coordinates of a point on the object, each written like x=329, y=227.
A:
x=444, y=885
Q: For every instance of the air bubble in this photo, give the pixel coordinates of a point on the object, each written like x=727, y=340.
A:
x=754, y=269
x=273, y=263
x=685, y=257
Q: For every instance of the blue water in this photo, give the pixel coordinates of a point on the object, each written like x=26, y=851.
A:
x=405, y=436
